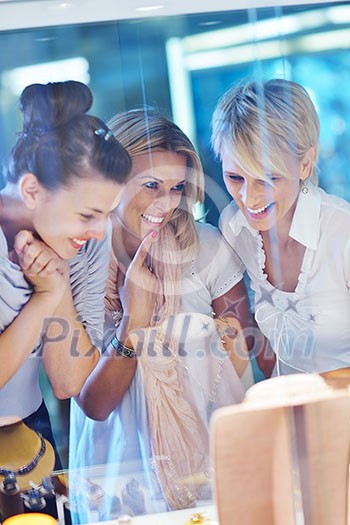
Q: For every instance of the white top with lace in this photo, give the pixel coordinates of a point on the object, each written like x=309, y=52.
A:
x=309, y=329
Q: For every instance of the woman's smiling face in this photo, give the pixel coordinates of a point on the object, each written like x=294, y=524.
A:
x=65, y=219
x=267, y=201
x=153, y=192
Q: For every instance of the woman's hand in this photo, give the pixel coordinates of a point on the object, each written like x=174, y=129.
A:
x=138, y=287
x=43, y=268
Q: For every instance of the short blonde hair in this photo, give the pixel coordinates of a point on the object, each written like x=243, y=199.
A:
x=262, y=121
x=145, y=129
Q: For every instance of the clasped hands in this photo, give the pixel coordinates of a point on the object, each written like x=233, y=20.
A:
x=42, y=267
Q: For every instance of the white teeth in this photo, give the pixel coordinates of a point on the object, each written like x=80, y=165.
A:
x=155, y=220
x=259, y=210
x=78, y=241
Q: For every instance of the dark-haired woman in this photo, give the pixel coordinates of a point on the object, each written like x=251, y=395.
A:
x=63, y=177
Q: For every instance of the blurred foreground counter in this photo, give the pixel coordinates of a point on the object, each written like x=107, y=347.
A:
x=338, y=378
x=197, y=516
x=98, y=486
x=301, y=422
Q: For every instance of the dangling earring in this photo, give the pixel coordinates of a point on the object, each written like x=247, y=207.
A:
x=304, y=187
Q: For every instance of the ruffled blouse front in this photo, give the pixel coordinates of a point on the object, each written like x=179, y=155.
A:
x=309, y=329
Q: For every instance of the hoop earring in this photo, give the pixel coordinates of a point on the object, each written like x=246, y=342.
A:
x=304, y=188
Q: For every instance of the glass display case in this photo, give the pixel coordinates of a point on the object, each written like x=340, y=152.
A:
x=178, y=57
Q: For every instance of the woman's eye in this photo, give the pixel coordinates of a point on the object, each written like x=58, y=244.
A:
x=271, y=179
x=235, y=178
x=152, y=185
x=179, y=187
x=86, y=217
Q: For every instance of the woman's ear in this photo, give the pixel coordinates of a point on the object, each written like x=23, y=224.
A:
x=307, y=163
x=31, y=190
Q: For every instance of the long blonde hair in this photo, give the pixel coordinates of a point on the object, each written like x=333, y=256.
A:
x=143, y=131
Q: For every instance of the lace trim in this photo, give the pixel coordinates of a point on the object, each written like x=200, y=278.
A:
x=303, y=274
x=227, y=283
x=261, y=256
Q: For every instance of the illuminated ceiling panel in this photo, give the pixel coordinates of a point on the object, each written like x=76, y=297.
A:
x=18, y=14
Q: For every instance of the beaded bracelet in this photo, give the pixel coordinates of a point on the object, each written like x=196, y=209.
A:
x=122, y=349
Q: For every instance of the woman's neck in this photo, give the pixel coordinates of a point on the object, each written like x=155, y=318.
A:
x=124, y=243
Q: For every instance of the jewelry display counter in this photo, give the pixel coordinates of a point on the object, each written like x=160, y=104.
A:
x=205, y=515
x=281, y=457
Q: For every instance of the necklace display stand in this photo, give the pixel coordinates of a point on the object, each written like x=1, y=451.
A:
x=26, y=459
x=281, y=457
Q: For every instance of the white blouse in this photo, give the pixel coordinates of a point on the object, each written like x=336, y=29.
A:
x=207, y=379
x=309, y=329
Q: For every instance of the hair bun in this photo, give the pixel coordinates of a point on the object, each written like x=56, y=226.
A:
x=47, y=106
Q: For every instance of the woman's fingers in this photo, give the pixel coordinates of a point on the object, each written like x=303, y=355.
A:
x=46, y=269
x=23, y=239
x=35, y=257
x=142, y=252
x=139, y=287
x=138, y=274
x=41, y=265
x=26, y=249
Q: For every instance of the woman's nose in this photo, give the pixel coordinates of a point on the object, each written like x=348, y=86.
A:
x=164, y=203
x=253, y=194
